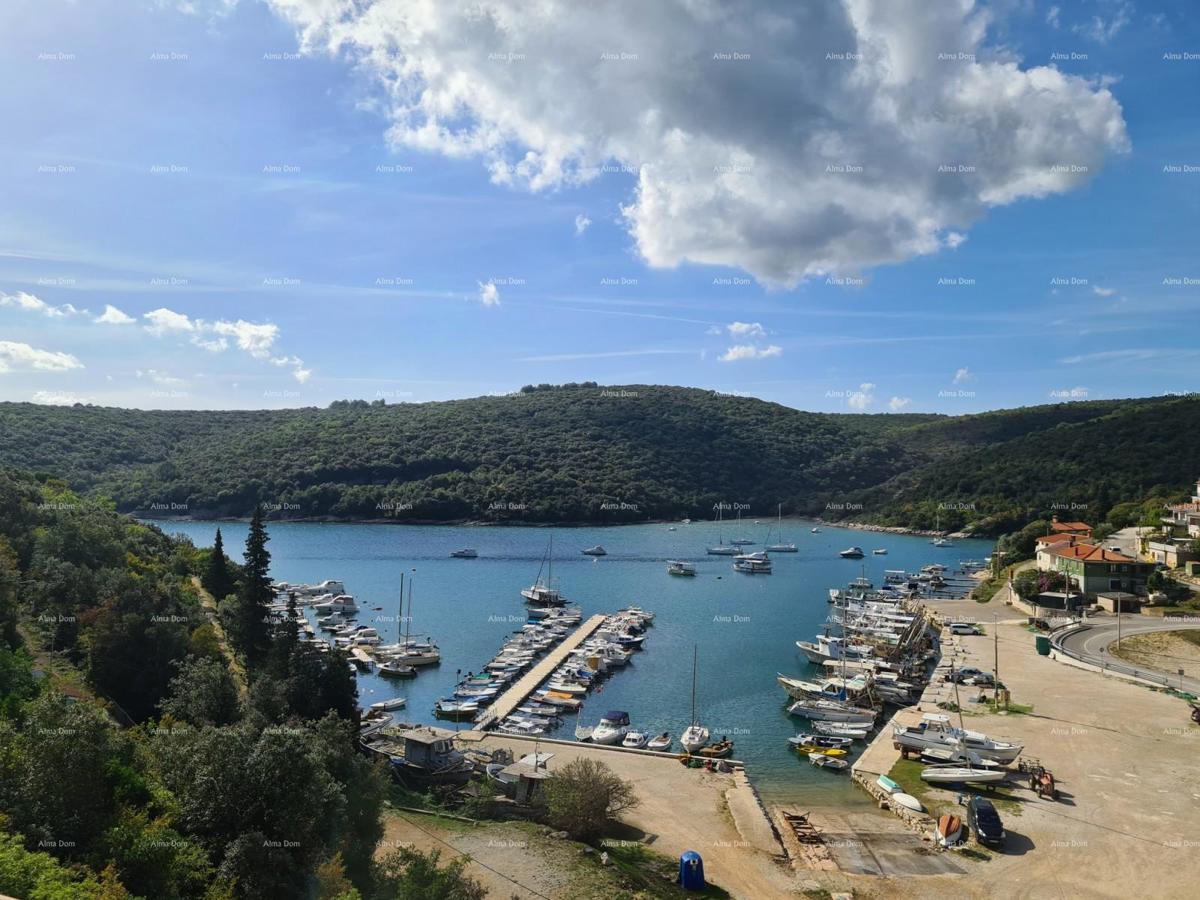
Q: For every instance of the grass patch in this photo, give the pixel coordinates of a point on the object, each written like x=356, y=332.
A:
x=938, y=800
x=634, y=870
x=1012, y=709
x=975, y=853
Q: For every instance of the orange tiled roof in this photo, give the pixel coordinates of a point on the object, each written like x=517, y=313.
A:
x=1091, y=553
x=1056, y=538
x=1070, y=526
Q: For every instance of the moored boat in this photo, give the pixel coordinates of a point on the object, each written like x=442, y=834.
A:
x=465, y=553
x=852, y=553
x=828, y=762
x=961, y=774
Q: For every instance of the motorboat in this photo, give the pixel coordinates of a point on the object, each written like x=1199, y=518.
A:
x=831, y=711
x=960, y=774
x=820, y=740
x=816, y=531
x=387, y=705
x=752, y=565
x=636, y=740
x=841, y=729
x=595, y=551
x=394, y=669
x=660, y=743
x=342, y=603
x=716, y=750
x=816, y=748
x=852, y=553
x=448, y=708
x=935, y=731
x=465, y=553
x=612, y=728
x=678, y=567
x=881, y=551
x=528, y=729
x=823, y=761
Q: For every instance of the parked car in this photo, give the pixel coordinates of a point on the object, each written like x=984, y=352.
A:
x=984, y=822
x=963, y=675
x=981, y=679
x=963, y=628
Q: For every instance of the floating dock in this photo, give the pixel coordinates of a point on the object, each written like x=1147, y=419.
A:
x=528, y=683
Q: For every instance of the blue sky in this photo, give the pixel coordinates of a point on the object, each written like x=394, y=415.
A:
x=268, y=235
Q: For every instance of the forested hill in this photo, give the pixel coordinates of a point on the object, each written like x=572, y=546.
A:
x=607, y=454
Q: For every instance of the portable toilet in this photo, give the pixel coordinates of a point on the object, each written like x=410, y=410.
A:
x=691, y=871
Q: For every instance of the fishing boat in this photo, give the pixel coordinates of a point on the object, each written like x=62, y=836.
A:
x=421, y=757
x=613, y=727
x=782, y=546
x=679, y=567
x=542, y=593
x=660, y=743
x=960, y=774
x=387, y=705
x=695, y=735
x=949, y=830
x=828, y=762
x=595, y=551
x=852, y=553
x=636, y=740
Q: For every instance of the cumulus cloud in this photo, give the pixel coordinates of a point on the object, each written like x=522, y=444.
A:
x=786, y=164
x=963, y=375
x=863, y=397
x=746, y=329
x=32, y=303
x=166, y=321
x=18, y=356
x=739, y=352
x=489, y=294
x=896, y=404
x=258, y=339
x=114, y=316
x=255, y=339
x=581, y=223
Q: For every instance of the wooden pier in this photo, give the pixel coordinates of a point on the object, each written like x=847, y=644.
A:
x=527, y=683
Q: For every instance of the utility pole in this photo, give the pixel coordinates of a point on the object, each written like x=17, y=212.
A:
x=995, y=660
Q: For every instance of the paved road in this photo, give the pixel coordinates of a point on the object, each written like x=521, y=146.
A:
x=1091, y=645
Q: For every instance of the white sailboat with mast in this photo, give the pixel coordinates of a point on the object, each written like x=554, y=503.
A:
x=695, y=735
x=782, y=546
x=722, y=549
x=543, y=593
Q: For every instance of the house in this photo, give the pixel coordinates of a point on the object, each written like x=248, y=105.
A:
x=1094, y=569
x=1172, y=552
x=1044, y=544
x=1185, y=515
x=1080, y=529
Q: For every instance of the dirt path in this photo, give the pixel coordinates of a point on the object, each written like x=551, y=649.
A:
x=236, y=669
x=1165, y=651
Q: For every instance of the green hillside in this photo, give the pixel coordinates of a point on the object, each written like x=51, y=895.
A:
x=616, y=454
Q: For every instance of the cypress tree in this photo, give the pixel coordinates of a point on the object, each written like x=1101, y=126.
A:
x=216, y=579
x=255, y=595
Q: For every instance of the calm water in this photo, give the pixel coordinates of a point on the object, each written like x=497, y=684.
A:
x=745, y=626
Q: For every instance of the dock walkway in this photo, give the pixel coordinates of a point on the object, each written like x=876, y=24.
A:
x=515, y=695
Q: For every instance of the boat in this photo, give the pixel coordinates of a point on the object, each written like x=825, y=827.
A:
x=716, y=750
x=935, y=731
x=613, y=727
x=752, y=565
x=420, y=757
x=660, y=743
x=828, y=762
x=940, y=541
x=892, y=787
x=722, y=549
x=395, y=669
x=386, y=705
x=881, y=551
x=949, y=830
x=678, y=567
x=816, y=531
x=820, y=740
x=465, y=553
x=582, y=732
x=831, y=711
x=342, y=603
x=908, y=801
x=852, y=553
x=695, y=735
x=448, y=708
x=782, y=546
x=814, y=748
x=841, y=729
x=636, y=740
x=595, y=551
x=959, y=774
x=542, y=593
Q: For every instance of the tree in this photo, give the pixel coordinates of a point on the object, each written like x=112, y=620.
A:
x=409, y=874
x=203, y=693
x=583, y=795
x=251, y=631
x=217, y=579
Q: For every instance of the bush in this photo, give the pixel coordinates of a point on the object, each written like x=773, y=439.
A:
x=583, y=795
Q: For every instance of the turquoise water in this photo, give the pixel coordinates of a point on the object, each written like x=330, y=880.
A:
x=745, y=626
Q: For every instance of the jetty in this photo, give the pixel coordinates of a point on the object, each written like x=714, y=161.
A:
x=528, y=683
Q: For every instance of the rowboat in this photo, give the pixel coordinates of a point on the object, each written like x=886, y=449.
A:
x=959, y=774
x=827, y=762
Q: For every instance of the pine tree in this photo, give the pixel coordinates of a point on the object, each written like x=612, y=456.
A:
x=217, y=580
x=253, y=627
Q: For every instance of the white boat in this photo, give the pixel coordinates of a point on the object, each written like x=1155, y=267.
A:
x=395, y=669
x=842, y=729
x=852, y=553
x=342, y=603
x=612, y=728
x=388, y=705
x=782, y=546
x=831, y=711
x=661, y=743
x=595, y=551
x=465, y=553
x=678, y=567
x=959, y=774
x=695, y=735
x=828, y=762
x=541, y=593
x=942, y=542
x=908, y=801
x=816, y=531
x=636, y=740
x=722, y=549
x=881, y=551
x=934, y=731
x=752, y=565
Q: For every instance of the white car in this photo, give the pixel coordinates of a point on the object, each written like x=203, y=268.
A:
x=962, y=628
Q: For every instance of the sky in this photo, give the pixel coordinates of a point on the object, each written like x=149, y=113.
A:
x=864, y=206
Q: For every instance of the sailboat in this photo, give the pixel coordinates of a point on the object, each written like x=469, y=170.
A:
x=412, y=650
x=695, y=735
x=722, y=549
x=542, y=593
x=583, y=732
x=940, y=541
x=741, y=541
x=781, y=547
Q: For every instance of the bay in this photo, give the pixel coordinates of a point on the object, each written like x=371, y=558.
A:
x=744, y=626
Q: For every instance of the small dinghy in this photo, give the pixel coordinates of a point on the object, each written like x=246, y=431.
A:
x=887, y=784
x=960, y=774
x=949, y=830
x=387, y=705
x=827, y=762
x=662, y=742
x=908, y=801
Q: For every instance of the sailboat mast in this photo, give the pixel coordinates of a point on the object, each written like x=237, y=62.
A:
x=400, y=611
x=550, y=571
x=695, y=651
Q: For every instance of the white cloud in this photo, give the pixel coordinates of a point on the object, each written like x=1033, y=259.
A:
x=489, y=294
x=60, y=398
x=898, y=403
x=863, y=397
x=953, y=240
x=165, y=321
x=581, y=223
x=31, y=303
x=1052, y=17
x=114, y=316
x=1103, y=30
x=1103, y=291
x=258, y=339
x=748, y=351
x=963, y=375
x=255, y=339
x=163, y=378
x=725, y=174
x=18, y=356
x=714, y=330
x=746, y=329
